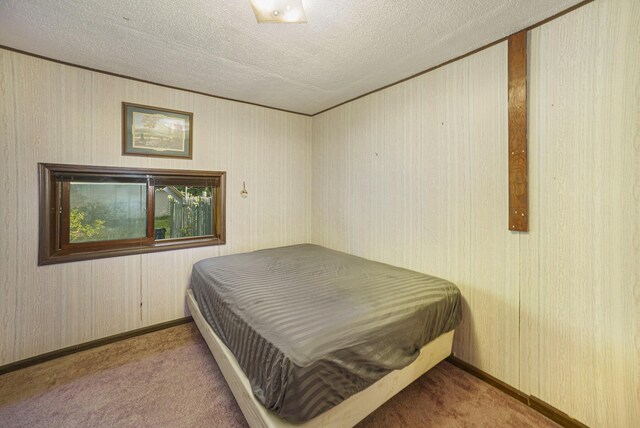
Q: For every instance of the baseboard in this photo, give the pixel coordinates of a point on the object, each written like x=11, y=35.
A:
x=553, y=413
x=88, y=345
x=531, y=401
x=536, y=404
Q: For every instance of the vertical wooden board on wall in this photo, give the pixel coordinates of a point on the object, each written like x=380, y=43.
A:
x=580, y=301
x=518, y=186
x=9, y=218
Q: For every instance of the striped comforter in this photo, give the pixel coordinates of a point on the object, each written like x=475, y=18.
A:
x=312, y=326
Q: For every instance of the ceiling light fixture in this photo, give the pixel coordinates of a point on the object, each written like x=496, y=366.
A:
x=279, y=11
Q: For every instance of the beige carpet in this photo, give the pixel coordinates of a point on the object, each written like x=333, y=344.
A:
x=169, y=379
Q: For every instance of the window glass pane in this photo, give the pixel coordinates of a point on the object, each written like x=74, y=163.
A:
x=183, y=211
x=107, y=211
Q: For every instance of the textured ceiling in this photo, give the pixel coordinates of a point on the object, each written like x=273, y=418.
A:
x=346, y=49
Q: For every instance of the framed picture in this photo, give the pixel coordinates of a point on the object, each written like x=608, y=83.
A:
x=153, y=131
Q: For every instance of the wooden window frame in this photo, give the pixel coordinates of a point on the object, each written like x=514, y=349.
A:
x=54, y=246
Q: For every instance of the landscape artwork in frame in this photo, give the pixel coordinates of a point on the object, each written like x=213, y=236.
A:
x=153, y=131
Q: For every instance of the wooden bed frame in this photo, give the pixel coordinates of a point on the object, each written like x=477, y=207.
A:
x=346, y=414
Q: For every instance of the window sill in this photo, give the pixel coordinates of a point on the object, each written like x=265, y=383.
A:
x=66, y=256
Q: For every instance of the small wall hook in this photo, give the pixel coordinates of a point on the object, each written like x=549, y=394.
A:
x=244, y=192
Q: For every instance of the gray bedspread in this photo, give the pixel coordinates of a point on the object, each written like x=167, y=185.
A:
x=312, y=326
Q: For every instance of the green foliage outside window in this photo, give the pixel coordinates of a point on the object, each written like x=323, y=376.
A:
x=79, y=230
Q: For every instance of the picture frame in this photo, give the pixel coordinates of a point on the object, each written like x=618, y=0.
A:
x=157, y=132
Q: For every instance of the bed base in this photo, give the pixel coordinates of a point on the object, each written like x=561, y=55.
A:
x=346, y=414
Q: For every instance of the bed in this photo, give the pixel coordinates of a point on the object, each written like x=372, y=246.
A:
x=307, y=336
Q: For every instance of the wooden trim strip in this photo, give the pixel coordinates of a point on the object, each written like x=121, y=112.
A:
x=28, y=362
x=518, y=182
x=508, y=389
x=536, y=404
x=554, y=414
x=124, y=76
x=529, y=28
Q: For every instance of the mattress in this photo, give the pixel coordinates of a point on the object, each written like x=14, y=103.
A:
x=311, y=326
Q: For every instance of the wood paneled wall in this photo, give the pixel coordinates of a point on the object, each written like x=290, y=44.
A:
x=580, y=268
x=416, y=175
x=55, y=113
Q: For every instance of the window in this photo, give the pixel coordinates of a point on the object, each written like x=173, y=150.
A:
x=89, y=212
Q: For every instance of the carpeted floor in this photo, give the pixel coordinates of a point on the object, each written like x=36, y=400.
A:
x=169, y=379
